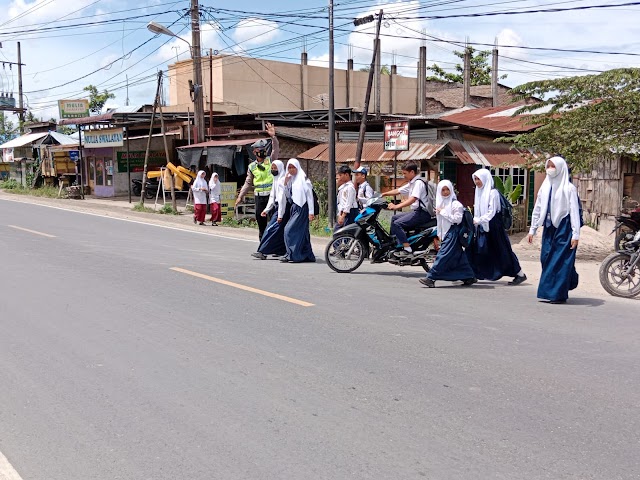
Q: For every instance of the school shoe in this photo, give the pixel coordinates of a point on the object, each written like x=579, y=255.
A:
x=214, y=224
x=517, y=280
x=558, y=302
x=201, y=223
x=427, y=282
x=194, y=220
x=284, y=260
x=259, y=255
x=469, y=281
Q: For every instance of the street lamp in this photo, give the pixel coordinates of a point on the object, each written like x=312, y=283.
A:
x=159, y=29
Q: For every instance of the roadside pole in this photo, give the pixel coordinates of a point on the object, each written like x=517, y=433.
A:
x=156, y=102
x=166, y=152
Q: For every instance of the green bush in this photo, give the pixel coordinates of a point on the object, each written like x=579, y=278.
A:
x=167, y=209
x=139, y=207
x=10, y=184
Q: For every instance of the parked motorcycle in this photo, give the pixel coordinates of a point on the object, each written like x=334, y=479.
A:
x=366, y=237
x=626, y=227
x=150, y=190
x=620, y=271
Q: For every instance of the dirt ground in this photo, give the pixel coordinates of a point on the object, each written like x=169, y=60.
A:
x=593, y=246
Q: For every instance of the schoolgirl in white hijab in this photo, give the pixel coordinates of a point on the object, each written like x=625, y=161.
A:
x=487, y=200
x=557, y=209
x=449, y=210
x=561, y=194
x=200, y=189
x=298, y=187
x=278, y=172
x=214, y=199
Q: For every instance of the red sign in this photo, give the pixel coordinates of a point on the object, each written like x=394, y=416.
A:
x=396, y=136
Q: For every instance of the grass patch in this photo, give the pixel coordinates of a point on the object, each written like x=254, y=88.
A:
x=167, y=209
x=233, y=223
x=12, y=186
x=139, y=207
x=319, y=227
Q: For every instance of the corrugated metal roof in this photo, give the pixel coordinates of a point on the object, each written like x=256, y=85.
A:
x=487, y=154
x=373, y=152
x=24, y=140
x=223, y=143
x=491, y=119
x=63, y=139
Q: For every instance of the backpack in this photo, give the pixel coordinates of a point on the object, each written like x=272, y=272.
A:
x=467, y=228
x=316, y=203
x=431, y=195
x=506, y=212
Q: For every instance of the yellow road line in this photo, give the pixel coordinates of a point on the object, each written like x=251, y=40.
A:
x=243, y=287
x=32, y=231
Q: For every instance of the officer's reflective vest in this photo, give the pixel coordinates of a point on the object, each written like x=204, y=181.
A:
x=262, y=178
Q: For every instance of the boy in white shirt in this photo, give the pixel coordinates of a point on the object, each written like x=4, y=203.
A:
x=347, y=203
x=365, y=192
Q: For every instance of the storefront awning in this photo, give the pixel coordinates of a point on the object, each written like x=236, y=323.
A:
x=223, y=143
x=24, y=140
x=218, y=152
x=374, y=152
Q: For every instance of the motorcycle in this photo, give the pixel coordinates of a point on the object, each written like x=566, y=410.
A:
x=620, y=271
x=150, y=190
x=626, y=227
x=366, y=237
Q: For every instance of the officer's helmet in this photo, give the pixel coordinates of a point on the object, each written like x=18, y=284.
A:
x=260, y=148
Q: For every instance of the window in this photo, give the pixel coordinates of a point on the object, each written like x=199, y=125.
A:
x=519, y=176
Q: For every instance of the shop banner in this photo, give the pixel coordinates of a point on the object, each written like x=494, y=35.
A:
x=73, y=108
x=228, y=199
x=396, y=136
x=157, y=159
x=108, y=137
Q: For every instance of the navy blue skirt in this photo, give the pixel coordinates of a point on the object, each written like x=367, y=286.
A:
x=272, y=242
x=498, y=260
x=558, y=262
x=296, y=235
x=451, y=262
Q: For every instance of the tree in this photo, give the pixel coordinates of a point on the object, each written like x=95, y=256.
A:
x=8, y=130
x=480, y=69
x=384, y=70
x=96, y=99
x=587, y=118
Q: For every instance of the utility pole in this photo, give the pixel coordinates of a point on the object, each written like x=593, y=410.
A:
x=494, y=74
x=365, y=109
x=467, y=75
x=156, y=103
x=197, y=70
x=331, y=184
x=211, y=91
x=20, y=101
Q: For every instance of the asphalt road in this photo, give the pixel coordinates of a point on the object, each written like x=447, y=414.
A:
x=116, y=362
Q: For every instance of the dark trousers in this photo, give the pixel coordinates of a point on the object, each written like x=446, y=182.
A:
x=261, y=203
x=406, y=221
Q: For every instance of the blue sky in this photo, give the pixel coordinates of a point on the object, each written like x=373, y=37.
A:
x=61, y=61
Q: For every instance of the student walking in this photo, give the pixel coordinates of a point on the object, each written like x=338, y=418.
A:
x=272, y=242
x=557, y=210
x=491, y=255
x=451, y=262
x=298, y=194
x=214, y=199
x=200, y=189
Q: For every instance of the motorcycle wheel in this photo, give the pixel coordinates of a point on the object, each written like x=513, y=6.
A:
x=149, y=194
x=624, y=234
x=612, y=276
x=336, y=253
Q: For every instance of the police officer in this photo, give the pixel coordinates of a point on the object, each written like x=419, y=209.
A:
x=259, y=176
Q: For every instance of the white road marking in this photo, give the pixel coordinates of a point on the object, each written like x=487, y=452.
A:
x=7, y=472
x=31, y=231
x=134, y=221
x=243, y=287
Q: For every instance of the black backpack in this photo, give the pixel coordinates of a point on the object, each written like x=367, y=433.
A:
x=506, y=212
x=467, y=229
x=316, y=203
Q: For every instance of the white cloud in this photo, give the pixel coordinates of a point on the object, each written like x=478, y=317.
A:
x=254, y=31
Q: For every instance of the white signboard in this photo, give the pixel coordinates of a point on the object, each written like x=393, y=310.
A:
x=111, y=137
x=396, y=136
x=7, y=155
x=73, y=108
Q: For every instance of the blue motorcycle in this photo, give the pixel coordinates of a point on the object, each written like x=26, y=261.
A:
x=366, y=237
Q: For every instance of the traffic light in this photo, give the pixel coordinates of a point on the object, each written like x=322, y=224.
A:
x=363, y=20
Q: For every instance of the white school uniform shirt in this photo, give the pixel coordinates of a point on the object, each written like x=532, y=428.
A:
x=214, y=189
x=347, y=197
x=200, y=196
x=365, y=192
x=486, y=214
x=415, y=188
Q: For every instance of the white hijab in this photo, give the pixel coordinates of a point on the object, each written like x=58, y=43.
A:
x=300, y=185
x=483, y=195
x=200, y=182
x=278, y=180
x=561, y=190
x=214, y=184
x=445, y=204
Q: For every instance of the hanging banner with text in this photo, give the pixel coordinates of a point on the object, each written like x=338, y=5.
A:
x=107, y=137
x=73, y=108
x=157, y=159
x=396, y=136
